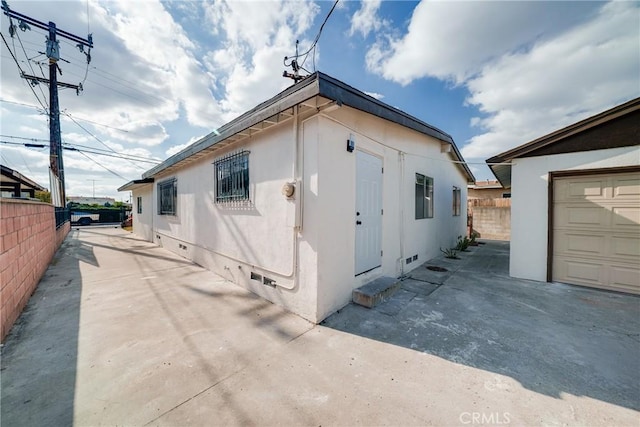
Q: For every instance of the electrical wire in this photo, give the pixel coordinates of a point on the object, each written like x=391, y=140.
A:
x=315, y=41
x=103, y=166
x=96, y=138
x=33, y=73
x=132, y=156
x=84, y=149
x=21, y=104
x=22, y=73
x=70, y=115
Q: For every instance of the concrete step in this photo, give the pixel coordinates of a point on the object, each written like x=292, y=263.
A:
x=376, y=291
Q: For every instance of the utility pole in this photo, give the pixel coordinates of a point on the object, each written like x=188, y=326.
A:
x=94, y=186
x=53, y=53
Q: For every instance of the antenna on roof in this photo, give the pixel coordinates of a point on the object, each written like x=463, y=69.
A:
x=295, y=61
x=293, y=64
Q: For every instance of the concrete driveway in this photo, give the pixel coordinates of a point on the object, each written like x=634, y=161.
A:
x=121, y=332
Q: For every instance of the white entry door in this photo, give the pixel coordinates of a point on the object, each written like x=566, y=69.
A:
x=368, y=214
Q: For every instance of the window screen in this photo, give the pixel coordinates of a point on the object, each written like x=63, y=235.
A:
x=232, y=178
x=457, y=194
x=424, y=196
x=167, y=197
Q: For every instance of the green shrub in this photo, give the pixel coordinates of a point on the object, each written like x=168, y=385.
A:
x=450, y=253
x=463, y=243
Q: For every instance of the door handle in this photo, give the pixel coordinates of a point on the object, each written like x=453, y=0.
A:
x=358, y=222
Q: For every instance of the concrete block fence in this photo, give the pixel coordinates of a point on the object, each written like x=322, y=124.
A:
x=28, y=241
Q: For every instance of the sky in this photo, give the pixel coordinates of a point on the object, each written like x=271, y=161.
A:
x=493, y=75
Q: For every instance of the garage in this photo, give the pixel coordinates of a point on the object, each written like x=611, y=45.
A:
x=596, y=230
x=575, y=202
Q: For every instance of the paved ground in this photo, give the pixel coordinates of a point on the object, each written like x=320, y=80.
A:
x=121, y=332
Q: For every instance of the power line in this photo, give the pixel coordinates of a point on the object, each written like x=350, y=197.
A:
x=103, y=166
x=29, y=64
x=22, y=72
x=294, y=63
x=95, y=137
x=84, y=149
x=76, y=117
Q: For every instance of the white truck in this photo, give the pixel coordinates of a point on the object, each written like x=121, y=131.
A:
x=84, y=218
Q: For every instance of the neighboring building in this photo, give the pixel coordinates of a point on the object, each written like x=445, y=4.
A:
x=576, y=202
x=102, y=201
x=308, y=196
x=489, y=210
x=14, y=184
x=488, y=190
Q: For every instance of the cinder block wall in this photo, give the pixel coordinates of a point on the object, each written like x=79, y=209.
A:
x=491, y=218
x=28, y=240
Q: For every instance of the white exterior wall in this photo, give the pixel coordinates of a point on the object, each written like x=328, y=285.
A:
x=329, y=199
x=529, y=202
x=143, y=223
x=235, y=241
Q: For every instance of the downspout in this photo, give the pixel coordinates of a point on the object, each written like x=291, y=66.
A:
x=401, y=204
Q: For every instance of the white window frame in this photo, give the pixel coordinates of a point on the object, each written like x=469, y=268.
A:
x=424, y=196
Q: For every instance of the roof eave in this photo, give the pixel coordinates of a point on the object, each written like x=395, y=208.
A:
x=136, y=184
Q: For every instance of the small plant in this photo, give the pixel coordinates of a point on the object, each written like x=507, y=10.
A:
x=450, y=253
x=463, y=243
x=474, y=235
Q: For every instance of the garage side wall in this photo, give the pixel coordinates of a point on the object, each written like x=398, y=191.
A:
x=529, y=202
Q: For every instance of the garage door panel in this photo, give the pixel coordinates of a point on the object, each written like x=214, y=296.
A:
x=596, y=236
x=624, y=278
x=579, y=271
x=626, y=247
x=626, y=216
x=580, y=244
x=579, y=216
x=591, y=189
x=626, y=188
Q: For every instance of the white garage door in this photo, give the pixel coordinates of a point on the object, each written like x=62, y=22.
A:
x=596, y=231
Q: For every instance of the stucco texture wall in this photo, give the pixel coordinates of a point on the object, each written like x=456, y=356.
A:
x=330, y=196
x=28, y=241
x=306, y=243
x=529, y=202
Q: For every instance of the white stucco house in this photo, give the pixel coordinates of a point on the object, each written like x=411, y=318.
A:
x=575, y=202
x=308, y=196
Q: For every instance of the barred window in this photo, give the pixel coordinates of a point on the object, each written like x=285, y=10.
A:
x=457, y=194
x=424, y=196
x=167, y=197
x=232, y=177
x=139, y=204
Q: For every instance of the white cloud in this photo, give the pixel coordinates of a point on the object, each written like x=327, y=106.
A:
x=255, y=40
x=557, y=82
x=178, y=148
x=529, y=67
x=366, y=19
x=375, y=95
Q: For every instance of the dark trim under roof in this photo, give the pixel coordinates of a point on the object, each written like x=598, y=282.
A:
x=23, y=180
x=542, y=145
x=317, y=84
x=135, y=184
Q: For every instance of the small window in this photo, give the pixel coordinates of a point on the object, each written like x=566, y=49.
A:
x=139, y=204
x=424, y=196
x=506, y=195
x=232, y=178
x=167, y=197
x=456, y=201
